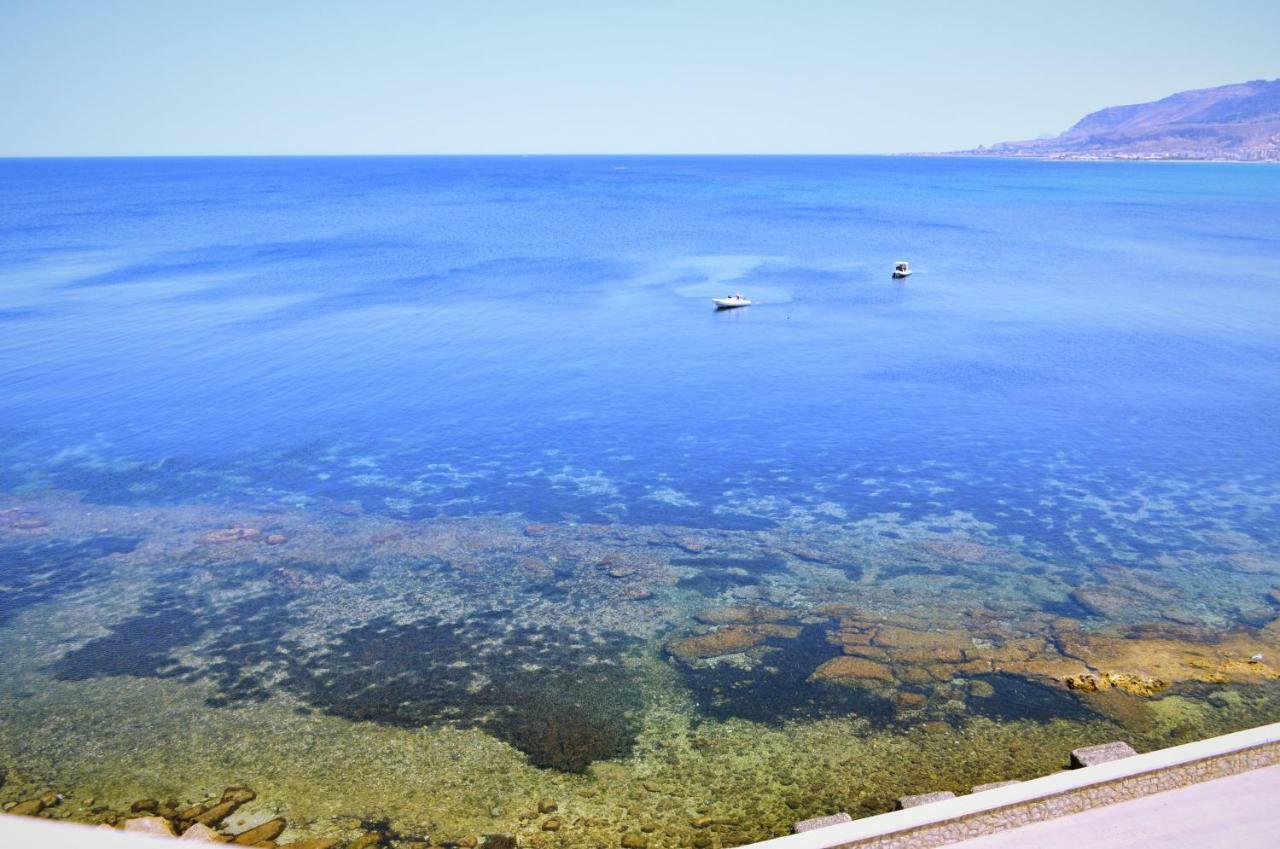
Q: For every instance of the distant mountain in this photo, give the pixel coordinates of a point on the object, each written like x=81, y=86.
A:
x=1238, y=122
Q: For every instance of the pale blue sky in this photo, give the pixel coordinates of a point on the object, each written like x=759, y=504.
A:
x=802, y=76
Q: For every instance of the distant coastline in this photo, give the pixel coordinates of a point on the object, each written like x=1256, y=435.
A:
x=1231, y=123
x=1045, y=157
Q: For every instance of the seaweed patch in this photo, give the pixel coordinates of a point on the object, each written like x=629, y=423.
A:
x=34, y=574
x=559, y=696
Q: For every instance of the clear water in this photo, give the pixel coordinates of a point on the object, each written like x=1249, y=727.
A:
x=400, y=363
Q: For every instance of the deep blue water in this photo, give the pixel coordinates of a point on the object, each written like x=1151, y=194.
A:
x=464, y=335
x=908, y=509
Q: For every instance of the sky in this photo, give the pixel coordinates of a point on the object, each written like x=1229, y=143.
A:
x=188, y=77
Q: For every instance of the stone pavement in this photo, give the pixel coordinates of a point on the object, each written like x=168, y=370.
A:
x=1237, y=812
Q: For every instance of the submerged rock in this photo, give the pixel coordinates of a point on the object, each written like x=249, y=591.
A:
x=1252, y=563
x=743, y=615
x=219, y=812
x=269, y=830
x=28, y=808
x=914, y=646
x=223, y=535
x=730, y=639
x=191, y=811
x=1138, y=685
x=1141, y=660
x=691, y=545
x=239, y=793
x=1106, y=602
x=847, y=669
x=1145, y=666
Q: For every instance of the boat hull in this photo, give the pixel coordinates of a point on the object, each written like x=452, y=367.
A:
x=730, y=303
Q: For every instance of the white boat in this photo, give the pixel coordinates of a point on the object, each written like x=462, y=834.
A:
x=730, y=302
x=901, y=269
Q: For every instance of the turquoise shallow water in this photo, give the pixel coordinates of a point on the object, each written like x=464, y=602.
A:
x=432, y=446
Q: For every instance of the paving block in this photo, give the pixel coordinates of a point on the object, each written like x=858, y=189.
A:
x=905, y=802
x=1100, y=754
x=821, y=822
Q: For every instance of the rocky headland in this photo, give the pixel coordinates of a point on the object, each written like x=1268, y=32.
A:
x=1236, y=123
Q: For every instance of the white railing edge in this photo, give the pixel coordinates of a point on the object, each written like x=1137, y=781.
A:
x=39, y=833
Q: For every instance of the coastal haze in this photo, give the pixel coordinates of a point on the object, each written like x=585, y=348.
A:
x=430, y=498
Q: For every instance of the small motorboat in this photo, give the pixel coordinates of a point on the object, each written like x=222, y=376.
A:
x=901, y=269
x=734, y=300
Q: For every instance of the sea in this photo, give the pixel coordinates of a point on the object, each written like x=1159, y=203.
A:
x=432, y=497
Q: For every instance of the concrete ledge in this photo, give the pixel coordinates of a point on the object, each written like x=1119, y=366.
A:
x=820, y=822
x=904, y=802
x=1101, y=754
x=963, y=817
